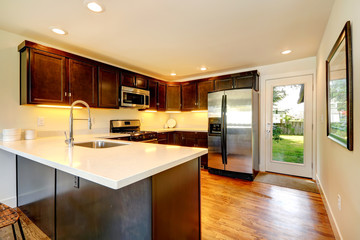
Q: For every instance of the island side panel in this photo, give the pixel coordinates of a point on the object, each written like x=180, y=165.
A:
x=36, y=194
x=176, y=202
x=93, y=211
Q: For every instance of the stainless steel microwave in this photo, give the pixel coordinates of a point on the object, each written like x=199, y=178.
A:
x=134, y=97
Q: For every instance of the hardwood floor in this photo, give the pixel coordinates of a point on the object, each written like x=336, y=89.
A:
x=239, y=209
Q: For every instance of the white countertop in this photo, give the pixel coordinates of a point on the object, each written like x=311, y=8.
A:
x=114, y=167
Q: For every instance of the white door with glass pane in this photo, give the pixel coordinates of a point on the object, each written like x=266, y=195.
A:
x=289, y=125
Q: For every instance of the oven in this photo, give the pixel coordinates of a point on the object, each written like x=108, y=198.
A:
x=134, y=97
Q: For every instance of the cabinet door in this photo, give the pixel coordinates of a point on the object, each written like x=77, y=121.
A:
x=175, y=138
x=247, y=80
x=203, y=88
x=188, y=93
x=108, y=87
x=243, y=81
x=47, y=82
x=173, y=97
x=141, y=82
x=83, y=82
x=127, y=79
x=161, y=104
x=162, y=138
x=189, y=139
x=153, y=89
x=223, y=84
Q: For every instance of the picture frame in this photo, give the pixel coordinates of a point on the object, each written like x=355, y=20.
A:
x=339, y=90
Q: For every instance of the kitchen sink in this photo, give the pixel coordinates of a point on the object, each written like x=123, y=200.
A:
x=99, y=144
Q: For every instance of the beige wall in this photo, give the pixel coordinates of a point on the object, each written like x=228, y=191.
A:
x=14, y=115
x=338, y=168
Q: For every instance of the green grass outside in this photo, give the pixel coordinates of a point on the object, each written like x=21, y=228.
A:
x=289, y=149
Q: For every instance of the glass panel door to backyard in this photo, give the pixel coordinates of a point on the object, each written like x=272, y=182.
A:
x=289, y=126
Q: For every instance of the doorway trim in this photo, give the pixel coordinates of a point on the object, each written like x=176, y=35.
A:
x=306, y=168
x=262, y=129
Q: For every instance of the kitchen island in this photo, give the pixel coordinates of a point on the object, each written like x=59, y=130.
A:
x=131, y=191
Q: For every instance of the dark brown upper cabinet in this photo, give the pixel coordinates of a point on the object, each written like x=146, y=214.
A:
x=134, y=80
x=108, y=86
x=173, y=97
x=128, y=79
x=223, y=83
x=161, y=98
x=83, y=82
x=141, y=82
x=188, y=96
x=43, y=78
x=203, y=88
x=247, y=80
x=153, y=89
x=157, y=95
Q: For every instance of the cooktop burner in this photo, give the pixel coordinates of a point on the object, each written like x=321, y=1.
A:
x=131, y=127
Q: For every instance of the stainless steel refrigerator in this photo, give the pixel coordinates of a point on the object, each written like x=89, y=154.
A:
x=233, y=137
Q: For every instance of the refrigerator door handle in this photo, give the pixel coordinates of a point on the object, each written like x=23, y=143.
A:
x=223, y=150
x=225, y=128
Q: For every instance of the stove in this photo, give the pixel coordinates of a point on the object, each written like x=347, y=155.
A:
x=132, y=127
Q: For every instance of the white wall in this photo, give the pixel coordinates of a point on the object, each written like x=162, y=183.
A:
x=268, y=72
x=338, y=168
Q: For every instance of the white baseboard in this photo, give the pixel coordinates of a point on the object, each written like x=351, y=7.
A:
x=330, y=214
x=11, y=202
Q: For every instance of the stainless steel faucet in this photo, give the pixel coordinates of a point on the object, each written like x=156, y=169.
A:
x=70, y=140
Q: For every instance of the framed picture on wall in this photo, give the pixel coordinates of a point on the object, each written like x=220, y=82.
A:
x=339, y=90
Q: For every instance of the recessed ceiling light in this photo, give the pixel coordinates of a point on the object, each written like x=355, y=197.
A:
x=173, y=74
x=94, y=6
x=203, y=68
x=286, y=52
x=58, y=31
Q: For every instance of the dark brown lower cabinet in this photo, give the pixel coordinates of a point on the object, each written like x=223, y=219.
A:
x=163, y=206
x=162, y=138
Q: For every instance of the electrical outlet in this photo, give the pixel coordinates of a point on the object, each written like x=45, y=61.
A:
x=41, y=121
x=339, y=202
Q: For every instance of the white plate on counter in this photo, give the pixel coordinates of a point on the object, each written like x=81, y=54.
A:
x=171, y=123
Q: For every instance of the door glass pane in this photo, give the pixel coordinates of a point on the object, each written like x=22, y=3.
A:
x=288, y=124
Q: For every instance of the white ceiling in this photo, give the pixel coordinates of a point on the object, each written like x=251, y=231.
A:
x=157, y=37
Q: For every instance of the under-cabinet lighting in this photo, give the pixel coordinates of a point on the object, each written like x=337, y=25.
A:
x=94, y=6
x=56, y=106
x=58, y=31
x=199, y=111
x=173, y=74
x=172, y=112
x=203, y=68
x=150, y=111
x=286, y=52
